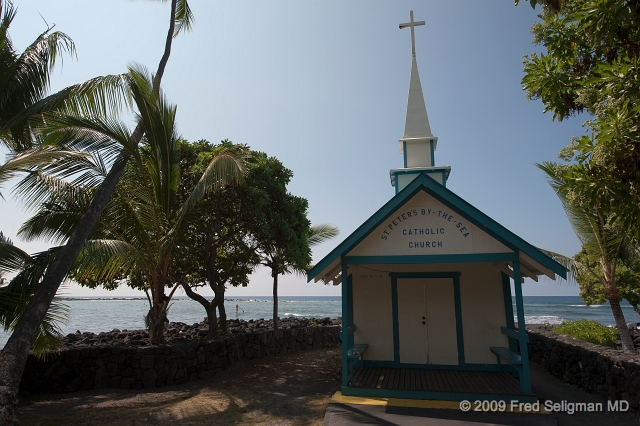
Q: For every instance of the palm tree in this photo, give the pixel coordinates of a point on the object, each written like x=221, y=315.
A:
x=601, y=236
x=15, y=293
x=141, y=224
x=14, y=355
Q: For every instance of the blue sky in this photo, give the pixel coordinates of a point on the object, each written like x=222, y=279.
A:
x=323, y=87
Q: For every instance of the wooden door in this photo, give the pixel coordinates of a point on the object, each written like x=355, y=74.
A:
x=427, y=321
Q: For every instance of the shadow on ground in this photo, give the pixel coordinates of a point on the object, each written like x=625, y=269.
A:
x=291, y=389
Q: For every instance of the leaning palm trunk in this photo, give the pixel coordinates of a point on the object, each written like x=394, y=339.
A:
x=612, y=295
x=14, y=355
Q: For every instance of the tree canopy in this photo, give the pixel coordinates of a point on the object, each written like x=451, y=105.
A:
x=591, y=66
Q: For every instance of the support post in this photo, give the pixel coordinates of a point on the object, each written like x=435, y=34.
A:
x=347, y=321
x=525, y=377
x=508, y=309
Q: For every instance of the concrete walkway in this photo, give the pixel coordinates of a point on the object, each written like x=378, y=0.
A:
x=342, y=412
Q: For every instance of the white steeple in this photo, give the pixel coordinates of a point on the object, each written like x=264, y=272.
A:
x=418, y=144
x=417, y=122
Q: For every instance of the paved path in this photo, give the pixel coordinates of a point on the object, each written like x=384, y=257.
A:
x=546, y=386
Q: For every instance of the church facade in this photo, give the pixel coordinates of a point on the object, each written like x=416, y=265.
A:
x=426, y=286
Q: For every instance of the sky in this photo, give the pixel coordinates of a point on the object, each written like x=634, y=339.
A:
x=323, y=87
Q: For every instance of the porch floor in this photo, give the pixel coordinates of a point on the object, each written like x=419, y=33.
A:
x=477, y=382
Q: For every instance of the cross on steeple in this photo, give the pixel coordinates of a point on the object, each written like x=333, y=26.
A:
x=413, y=38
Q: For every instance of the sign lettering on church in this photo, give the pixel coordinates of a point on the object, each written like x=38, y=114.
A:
x=428, y=229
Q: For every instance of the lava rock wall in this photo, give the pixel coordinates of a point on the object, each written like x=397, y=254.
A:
x=594, y=368
x=130, y=366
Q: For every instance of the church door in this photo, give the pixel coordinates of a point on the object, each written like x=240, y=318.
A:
x=427, y=321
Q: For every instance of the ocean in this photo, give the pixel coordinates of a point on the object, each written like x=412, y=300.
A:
x=105, y=314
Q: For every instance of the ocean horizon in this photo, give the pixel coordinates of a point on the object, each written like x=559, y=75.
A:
x=100, y=313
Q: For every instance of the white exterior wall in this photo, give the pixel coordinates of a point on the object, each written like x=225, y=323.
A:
x=483, y=312
x=482, y=304
x=373, y=315
x=418, y=154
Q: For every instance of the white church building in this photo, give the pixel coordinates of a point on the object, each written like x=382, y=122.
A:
x=426, y=286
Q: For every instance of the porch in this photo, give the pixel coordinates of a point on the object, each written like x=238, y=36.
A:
x=442, y=384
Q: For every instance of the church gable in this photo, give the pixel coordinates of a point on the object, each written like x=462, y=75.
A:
x=425, y=226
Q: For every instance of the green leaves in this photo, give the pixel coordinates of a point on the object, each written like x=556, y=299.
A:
x=548, y=79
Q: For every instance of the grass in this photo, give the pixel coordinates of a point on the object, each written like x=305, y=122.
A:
x=589, y=331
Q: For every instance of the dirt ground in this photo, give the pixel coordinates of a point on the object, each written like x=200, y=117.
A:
x=292, y=389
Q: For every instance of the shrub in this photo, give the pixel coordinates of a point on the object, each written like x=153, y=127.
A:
x=589, y=331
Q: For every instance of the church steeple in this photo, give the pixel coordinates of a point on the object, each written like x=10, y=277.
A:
x=418, y=144
x=417, y=123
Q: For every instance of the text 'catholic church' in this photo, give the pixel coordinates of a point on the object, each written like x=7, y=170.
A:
x=426, y=286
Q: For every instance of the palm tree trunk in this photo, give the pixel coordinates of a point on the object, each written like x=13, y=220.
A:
x=156, y=318
x=611, y=292
x=621, y=326
x=275, y=300
x=14, y=355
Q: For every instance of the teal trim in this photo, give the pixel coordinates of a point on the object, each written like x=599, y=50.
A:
x=347, y=322
x=512, y=332
x=436, y=258
x=465, y=367
x=424, y=274
x=444, y=179
x=444, y=195
x=396, y=325
x=438, y=396
x=433, y=154
x=508, y=308
x=395, y=178
x=458, y=308
x=420, y=171
x=455, y=277
x=404, y=151
x=525, y=378
x=349, y=313
x=345, y=327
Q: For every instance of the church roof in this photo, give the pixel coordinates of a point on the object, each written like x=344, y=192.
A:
x=534, y=262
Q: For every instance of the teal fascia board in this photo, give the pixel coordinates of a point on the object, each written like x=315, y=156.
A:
x=436, y=258
x=438, y=396
x=447, y=197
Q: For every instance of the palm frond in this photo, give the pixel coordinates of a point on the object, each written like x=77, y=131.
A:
x=104, y=260
x=321, y=233
x=35, y=157
x=225, y=168
x=11, y=258
x=184, y=17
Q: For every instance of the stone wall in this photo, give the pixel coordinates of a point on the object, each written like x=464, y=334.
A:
x=132, y=367
x=594, y=368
